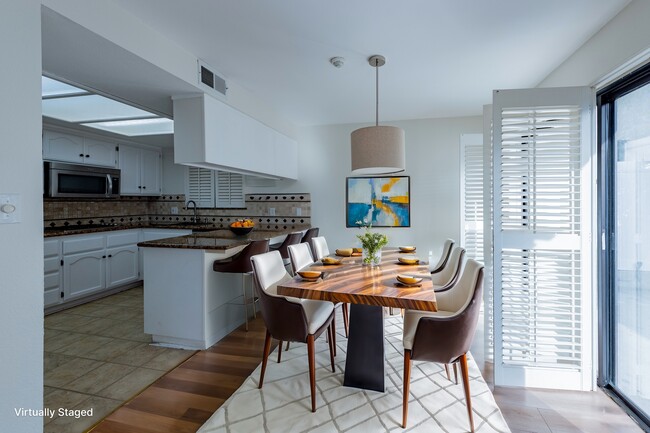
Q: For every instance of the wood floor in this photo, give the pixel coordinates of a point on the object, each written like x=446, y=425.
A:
x=182, y=400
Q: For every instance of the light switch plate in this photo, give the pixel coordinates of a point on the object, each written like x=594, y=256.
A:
x=174, y=210
x=10, y=208
x=271, y=211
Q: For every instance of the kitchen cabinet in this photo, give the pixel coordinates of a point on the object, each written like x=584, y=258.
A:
x=59, y=146
x=122, y=258
x=141, y=171
x=53, y=278
x=211, y=134
x=84, y=265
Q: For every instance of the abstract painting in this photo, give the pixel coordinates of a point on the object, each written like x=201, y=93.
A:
x=381, y=201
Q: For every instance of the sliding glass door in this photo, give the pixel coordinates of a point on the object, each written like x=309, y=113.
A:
x=625, y=261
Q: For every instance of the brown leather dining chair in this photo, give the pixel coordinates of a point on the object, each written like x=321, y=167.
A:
x=444, y=257
x=309, y=235
x=287, y=318
x=240, y=263
x=446, y=335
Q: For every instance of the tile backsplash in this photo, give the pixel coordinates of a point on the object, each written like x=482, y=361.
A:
x=269, y=211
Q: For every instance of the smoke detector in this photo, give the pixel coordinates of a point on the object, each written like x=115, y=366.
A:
x=338, y=62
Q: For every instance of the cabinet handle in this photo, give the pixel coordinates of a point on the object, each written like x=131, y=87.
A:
x=144, y=187
x=103, y=257
x=110, y=255
x=81, y=155
x=140, y=187
x=87, y=156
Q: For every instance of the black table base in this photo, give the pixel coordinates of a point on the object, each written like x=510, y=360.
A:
x=364, y=365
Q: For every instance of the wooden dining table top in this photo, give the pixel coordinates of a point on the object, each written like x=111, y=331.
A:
x=353, y=282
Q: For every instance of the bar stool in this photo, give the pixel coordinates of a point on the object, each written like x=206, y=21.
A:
x=291, y=239
x=240, y=263
x=309, y=235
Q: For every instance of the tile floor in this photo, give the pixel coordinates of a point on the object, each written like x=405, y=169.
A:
x=97, y=356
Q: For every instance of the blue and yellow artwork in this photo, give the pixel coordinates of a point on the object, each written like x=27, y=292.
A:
x=380, y=201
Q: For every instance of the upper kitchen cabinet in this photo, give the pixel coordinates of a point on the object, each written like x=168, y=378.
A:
x=141, y=171
x=59, y=146
x=211, y=134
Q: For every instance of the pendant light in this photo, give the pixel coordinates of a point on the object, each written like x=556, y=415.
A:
x=377, y=149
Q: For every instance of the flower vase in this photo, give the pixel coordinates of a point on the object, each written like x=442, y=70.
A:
x=371, y=258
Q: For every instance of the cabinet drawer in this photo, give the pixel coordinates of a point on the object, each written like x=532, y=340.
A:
x=51, y=248
x=121, y=238
x=52, y=281
x=81, y=245
x=52, y=264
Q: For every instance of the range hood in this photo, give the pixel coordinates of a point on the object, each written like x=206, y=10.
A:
x=210, y=134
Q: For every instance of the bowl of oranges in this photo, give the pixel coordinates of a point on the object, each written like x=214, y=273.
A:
x=242, y=227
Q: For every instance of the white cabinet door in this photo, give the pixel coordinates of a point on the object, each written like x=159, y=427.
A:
x=122, y=266
x=63, y=147
x=52, y=274
x=83, y=274
x=129, y=164
x=99, y=153
x=150, y=172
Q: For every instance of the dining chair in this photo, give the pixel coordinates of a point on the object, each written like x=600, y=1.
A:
x=287, y=318
x=290, y=239
x=319, y=247
x=448, y=276
x=444, y=256
x=240, y=263
x=445, y=336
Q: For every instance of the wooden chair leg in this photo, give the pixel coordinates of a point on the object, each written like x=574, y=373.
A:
x=312, y=370
x=280, y=350
x=265, y=357
x=332, y=348
x=468, y=398
x=332, y=335
x=456, y=372
x=406, y=383
x=447, y=371
x=346, y=319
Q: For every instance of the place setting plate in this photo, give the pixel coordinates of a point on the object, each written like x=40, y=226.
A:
x=330, y=261
x=408, y=260
x=408, y=281
x=407, y=249
x=310, y=276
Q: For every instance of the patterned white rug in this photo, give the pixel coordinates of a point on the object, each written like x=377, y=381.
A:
x=283, y=404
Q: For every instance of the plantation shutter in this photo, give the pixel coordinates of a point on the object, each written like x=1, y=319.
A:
x=230, y=190
x=488, y=286
x=542, y=225
x=471, y=146
x=200, y=186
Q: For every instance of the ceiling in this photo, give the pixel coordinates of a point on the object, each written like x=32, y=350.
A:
x=444, y=57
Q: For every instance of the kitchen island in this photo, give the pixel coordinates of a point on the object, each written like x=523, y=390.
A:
x=186, y=303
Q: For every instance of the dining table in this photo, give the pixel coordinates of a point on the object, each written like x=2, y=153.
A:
x=368, y=289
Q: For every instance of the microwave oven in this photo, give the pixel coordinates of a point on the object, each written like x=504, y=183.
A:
x=80, y=181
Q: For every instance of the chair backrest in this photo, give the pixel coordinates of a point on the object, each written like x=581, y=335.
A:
x=444, y=339
x=319, y=247
x=291, y=239
x=309, y=235
x=241, y=262
x=284, y=317
x=300, y=256
x=450, y=273
x=444, y=256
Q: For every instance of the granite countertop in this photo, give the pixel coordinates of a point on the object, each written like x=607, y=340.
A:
x=76, y=230
x=221, y=239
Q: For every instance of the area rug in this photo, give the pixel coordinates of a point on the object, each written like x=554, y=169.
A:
x=283, y=404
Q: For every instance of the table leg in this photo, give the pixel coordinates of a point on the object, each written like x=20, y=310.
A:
x=364, y=364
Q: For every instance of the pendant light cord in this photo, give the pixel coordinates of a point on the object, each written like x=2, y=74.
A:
x=376, y=92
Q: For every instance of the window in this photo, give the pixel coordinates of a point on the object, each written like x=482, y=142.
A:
x=210, y=188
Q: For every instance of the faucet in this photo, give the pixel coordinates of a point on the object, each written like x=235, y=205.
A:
x=195, y=218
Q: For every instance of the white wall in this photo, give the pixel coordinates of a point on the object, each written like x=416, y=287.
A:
x=173, y=175
x=621, y=39
x=21, y=255
x=432, y=161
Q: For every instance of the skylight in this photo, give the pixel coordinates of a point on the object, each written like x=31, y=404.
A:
x=133, y=127
x=75, y=105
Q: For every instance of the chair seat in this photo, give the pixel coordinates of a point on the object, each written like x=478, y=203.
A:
x=411, y=320
x=317, y=313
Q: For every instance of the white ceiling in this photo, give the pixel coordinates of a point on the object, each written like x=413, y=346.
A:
x=444, y=57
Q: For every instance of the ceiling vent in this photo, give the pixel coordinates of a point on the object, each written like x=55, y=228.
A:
x=211, y=82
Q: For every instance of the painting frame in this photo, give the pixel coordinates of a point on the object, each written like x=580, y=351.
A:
x=391, y=206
